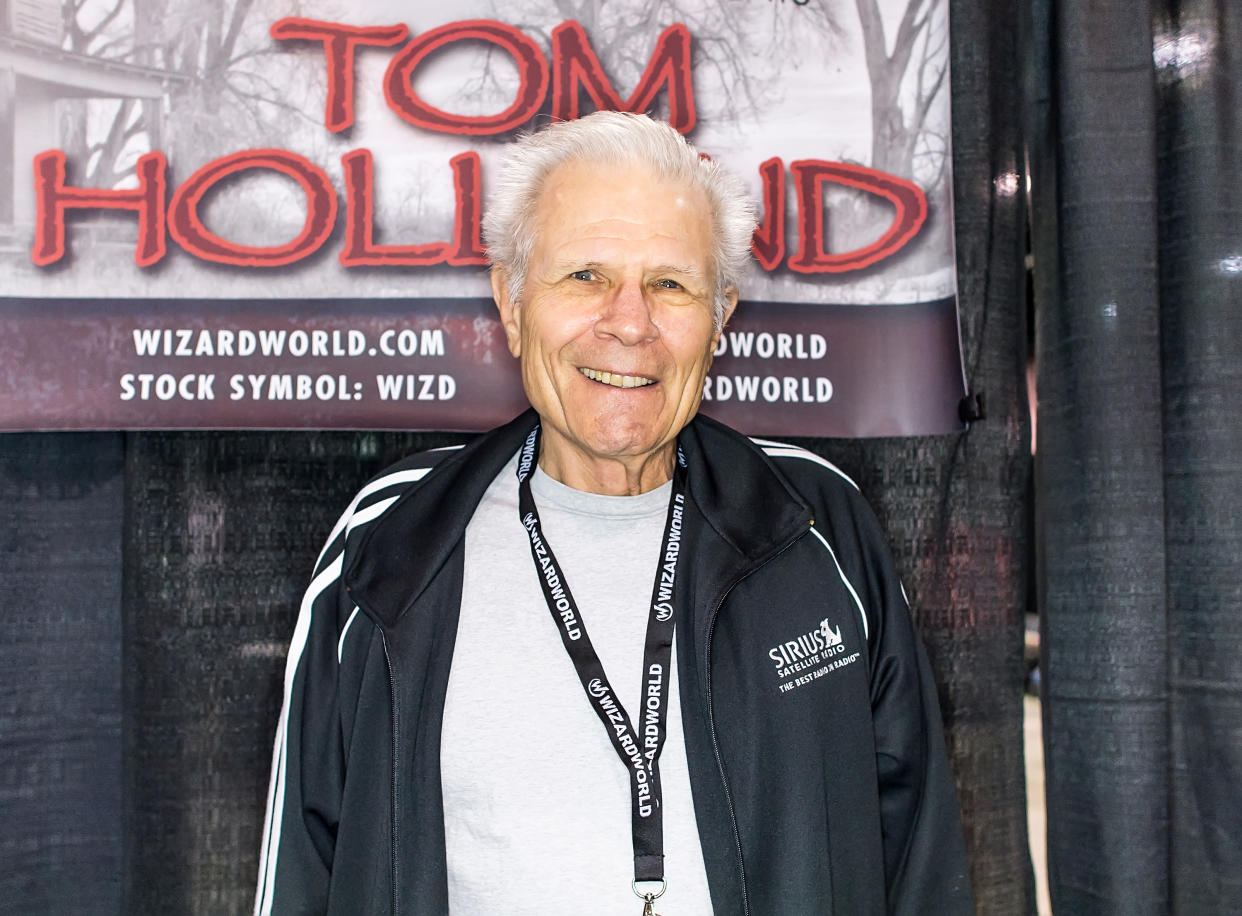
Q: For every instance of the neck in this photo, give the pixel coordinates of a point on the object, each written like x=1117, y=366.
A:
x=628, y=476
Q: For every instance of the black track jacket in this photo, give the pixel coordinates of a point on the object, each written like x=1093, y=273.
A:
x=817, y=762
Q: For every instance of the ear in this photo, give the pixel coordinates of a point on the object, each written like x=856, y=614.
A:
x=730, y=305
x=510, y=311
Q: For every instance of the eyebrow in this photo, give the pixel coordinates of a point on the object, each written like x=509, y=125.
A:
x=682, y=269
x=561, y=266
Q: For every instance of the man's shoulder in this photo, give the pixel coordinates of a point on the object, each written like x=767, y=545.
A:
x=400, y=477
x=429, y=491
x=755, y=476
x=414, y=466
x=804, y=466
x=378, y=495
x=834, y=498
x=837, y=502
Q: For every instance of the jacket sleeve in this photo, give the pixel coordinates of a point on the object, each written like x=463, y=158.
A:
x=925, y=863
x=307, y=779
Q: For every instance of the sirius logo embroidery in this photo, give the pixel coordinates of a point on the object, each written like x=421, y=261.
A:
x=812, y=655
x=808, y=646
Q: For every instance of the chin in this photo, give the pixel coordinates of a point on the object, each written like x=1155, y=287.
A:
x=623, y=441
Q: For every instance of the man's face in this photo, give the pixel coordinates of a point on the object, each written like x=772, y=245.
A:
x=614, y=325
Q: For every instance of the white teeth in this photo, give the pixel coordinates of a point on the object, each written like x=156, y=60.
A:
x=616, y=379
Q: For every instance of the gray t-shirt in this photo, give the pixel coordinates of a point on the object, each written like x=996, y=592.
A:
x=536, y=801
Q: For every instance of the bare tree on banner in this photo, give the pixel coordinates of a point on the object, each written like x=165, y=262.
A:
x=905, y=83
x=897, y=128
x=724, y=40
x=224, y=97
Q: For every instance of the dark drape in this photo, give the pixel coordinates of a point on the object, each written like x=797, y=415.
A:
x=60, y=673
x=1135, y=161
x=220, y=530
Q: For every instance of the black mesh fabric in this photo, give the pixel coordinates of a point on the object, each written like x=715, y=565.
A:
x=1101, y=480
x=1199, y=164
x=60, y=654
x=1136, y=168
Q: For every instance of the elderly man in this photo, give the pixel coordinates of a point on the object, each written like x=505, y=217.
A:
x=612, y=648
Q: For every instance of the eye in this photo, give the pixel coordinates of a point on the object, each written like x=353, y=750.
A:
x=668, y=284
x=584, y=274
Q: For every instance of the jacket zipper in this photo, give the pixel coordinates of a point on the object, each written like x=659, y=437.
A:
x=711, y=713
x=392, y=840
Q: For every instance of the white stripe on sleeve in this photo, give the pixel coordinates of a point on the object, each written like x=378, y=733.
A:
x=841, y=573
x=349, y=520
x=781, y=450
x=276, y=789
x=411, y=476
x=373, y=511
x=340, y=643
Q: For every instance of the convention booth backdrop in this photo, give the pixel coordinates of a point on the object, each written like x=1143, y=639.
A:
x=153, y=574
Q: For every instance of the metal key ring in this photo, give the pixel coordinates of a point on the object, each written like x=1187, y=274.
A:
x=642, y=896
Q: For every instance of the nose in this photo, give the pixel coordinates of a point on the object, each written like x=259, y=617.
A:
x=626, y=316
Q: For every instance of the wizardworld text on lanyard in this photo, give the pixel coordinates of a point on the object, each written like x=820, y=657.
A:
x=639, y=753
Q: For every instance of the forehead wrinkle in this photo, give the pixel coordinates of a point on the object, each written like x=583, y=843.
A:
x=575, y=264
x=686, y=270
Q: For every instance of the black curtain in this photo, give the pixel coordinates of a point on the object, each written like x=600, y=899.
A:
x=176, y=705
x=60, y=688
x=1137, y=207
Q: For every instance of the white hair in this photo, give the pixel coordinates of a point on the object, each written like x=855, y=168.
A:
x=614, y=138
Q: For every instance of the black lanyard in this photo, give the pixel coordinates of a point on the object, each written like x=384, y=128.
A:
x=639, y=749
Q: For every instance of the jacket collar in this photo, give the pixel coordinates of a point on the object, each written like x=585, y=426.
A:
x=740, y=493
x=741, y=496
x=405, y=548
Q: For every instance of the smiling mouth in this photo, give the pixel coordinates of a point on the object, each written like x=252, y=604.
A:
x=616, y=379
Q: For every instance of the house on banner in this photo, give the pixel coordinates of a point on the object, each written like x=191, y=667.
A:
x=36, y=73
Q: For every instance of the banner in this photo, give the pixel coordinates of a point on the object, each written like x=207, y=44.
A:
x=228, y=214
